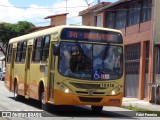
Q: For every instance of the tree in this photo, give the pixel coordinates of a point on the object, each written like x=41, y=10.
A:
x=8, y=31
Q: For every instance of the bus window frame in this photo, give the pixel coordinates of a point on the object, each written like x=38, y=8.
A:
x=21, y=52
x=36, y=49
x=82, y=42
x=44, y=56
x=9, y=53
x=40, y=50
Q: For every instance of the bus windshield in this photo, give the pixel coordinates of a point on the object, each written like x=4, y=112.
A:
x=90, y=61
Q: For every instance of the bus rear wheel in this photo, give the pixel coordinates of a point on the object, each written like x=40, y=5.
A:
x=44, y=105
x=16, y=96
x=97, y=109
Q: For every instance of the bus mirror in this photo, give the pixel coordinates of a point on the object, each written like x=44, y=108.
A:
x=56, y=50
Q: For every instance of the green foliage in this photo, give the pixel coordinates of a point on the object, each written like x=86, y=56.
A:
x=8, y=31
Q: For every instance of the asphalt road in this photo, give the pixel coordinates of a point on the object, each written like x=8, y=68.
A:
x=29, y=108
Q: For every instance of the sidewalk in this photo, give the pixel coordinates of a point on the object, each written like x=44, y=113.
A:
x=140, y=104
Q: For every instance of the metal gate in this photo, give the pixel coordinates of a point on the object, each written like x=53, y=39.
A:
x=146, y=69
x=132, y=70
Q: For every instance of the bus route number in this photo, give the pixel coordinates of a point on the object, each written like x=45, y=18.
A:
x=106, y=85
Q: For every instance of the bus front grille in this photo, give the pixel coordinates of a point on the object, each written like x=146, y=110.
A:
x=86, y=99
x=94, y=93
x=86, y=86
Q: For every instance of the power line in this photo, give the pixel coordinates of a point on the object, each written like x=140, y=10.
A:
x=57, y=21
x=40, y=8
x=36, y=23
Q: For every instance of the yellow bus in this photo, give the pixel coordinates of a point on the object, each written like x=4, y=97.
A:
x=67, y=65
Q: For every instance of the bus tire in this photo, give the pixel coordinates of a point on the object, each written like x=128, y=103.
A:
x=97, y=109
x=16, y=96
x=157, y=98
x=44, y=105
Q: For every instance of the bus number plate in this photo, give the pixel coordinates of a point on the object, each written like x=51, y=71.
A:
x=106, y=85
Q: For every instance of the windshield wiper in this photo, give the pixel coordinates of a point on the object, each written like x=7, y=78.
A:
x=79, y=47
x=105, y=54
x=81, y=61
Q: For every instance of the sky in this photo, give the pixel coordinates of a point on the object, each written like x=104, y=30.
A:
x=12, y=11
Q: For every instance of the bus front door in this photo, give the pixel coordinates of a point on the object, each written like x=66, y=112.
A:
x=51, y=77
x=27, y=72
x=12, y=68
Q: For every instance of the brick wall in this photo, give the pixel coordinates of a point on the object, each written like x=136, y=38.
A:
x=137, y=33
x=140, y=33
x=88, y=19
x=59, y=20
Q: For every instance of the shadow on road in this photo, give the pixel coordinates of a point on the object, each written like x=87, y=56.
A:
x=74, y=111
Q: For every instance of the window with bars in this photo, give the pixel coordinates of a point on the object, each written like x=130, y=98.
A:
x=110, y=20
x=132, y=59
x=134, y=14
x=129, y=15
x=121, y=19
x=146, y=10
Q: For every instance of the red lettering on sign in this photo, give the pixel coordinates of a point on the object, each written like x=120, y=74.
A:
x=97, y=36
x=73, y=34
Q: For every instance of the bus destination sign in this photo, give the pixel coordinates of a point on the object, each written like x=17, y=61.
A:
x=91, y=35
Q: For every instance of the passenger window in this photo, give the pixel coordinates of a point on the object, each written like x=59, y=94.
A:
x=18, y=53
x=41, y=49
x=37, y=54
x=21, y=52
x=46, y=48
x=9, y=53
x=24, y=51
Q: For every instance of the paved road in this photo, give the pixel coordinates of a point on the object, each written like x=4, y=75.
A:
x=7, y=103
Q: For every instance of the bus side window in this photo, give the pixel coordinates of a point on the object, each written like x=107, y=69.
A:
x=24, y=52
x=9, y=52
x=18, y=53
x=37, y=50
x=46, y=45
x=21, y=52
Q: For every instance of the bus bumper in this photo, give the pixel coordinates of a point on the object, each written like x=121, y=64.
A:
x=61, y=98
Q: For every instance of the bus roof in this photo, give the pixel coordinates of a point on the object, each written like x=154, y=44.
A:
x=53, y=30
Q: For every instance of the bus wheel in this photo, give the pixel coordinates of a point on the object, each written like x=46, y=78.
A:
x=157, y=96
x=16, y=96
x=44, y=105
x=97, y=109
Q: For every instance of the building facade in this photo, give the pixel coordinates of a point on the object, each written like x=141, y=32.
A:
x=58, y=19
x=90, y=18
x=55, y=20
x=139, y=22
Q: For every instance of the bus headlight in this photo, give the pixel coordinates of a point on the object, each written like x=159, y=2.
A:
x=65, y=89
x=113, y=92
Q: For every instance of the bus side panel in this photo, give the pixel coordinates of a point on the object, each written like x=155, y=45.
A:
x=11, y=71
x=36, y=75
x=19, y=74
x=7, y=77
